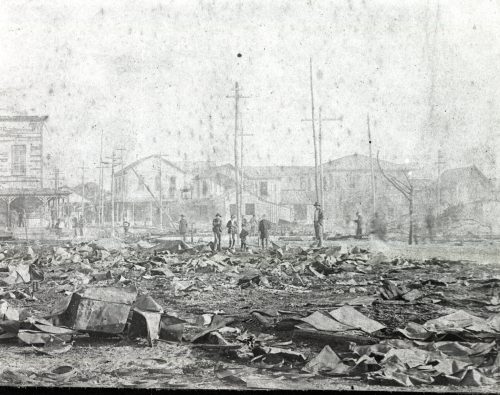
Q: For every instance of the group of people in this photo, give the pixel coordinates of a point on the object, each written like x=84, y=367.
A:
x=247, y=229
x=262, y=227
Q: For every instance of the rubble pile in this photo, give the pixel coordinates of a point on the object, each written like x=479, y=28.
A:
x=290, y=313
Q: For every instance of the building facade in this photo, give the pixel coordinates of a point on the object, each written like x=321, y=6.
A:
x=25, y=199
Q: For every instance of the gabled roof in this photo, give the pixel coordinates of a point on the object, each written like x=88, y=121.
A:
x=463, y=174
x=23, y=118
x=362, y=162
x=138, y=161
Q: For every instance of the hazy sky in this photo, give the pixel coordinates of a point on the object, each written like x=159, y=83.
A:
x=154, y=76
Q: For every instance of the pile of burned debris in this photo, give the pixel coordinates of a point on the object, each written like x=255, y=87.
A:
x=334, y=313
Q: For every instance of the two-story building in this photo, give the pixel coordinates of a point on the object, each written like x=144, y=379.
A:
x=143, y=185
x=25, y=200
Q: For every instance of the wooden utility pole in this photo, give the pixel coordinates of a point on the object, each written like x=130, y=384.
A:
x=440, y=162
x=320, y=135
x=242, y=167
x=313, y=121
x=101, y=192
x=161, y=193
x=122, y=184
x=101, y=181
x=237, y=96
x=56, y=187
x=113, y=195
x=372, y=177
x=83, y=188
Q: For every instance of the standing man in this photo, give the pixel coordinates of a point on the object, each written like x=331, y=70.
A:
x=359, y=225
x=81, y=223
x=183, y=227
x=243, y=237
x=264, y=226
x=126, y=226
x=74, y=223
x=232, y=228
x=253, y=225
x=318, y=223
x=21, y=218
x=217, y=229
x=429, y=223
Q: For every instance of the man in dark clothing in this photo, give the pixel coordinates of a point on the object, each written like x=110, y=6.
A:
x=318, y=224
x=126, y=226
x=253, y=225
x=183, y=227
x=264, y=226
x=379, y=227
x=232, y=229
x=359, y=225
x=217, y=229
x=81, y=223
x=243, y=238
x=429, y=223
x=74, y=223
x=21, y=218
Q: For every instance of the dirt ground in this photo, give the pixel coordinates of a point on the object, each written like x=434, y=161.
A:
x=120, y=362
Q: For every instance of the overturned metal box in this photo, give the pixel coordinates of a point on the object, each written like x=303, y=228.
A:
x=101, y=310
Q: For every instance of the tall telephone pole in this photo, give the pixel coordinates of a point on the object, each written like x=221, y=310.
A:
x=56, y=187
x=439, y=162
x=83, y=188
x=237, y=96
x=320, y=138
x=161, y=193
x=101, y=181
x=242, y=184
x=372, y=177
x=122, y=184
x=101, y=191
x=113, y=195
x=313, y=121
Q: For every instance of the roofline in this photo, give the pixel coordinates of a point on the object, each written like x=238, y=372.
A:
x=471, y=167
x=135, y=163
x=366, y=156
x=23, y=118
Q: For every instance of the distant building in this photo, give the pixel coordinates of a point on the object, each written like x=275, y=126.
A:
x=469, y=202
x=140, y=186
x=465, y=185
x=347, y=184
x=24, y=197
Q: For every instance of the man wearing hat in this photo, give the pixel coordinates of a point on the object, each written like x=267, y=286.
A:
x=232, y=229
x=183, y=227
x=318, y=223
x=217, y=229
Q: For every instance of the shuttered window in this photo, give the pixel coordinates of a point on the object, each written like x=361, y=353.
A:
x=18, y=160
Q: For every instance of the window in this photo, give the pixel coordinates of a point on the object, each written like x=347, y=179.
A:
x=232, y=209
x=302, y=183
x=249, y=209
x=263, y=188
x=18, y=160
x=173, y=186
x=203, y=210
x=205, y=188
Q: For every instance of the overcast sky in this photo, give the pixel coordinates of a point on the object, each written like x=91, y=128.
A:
x=154, y=76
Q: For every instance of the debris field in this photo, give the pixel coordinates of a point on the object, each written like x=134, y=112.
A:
x=161, y=313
